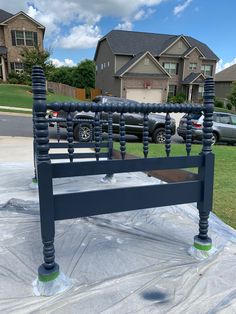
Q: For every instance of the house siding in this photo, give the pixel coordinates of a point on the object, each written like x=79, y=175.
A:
x=120, y=61
x=150, y=68
x=222, y=89
x=176, y=49
x=105, y=79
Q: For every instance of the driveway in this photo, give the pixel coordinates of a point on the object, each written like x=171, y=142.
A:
x=21, y=125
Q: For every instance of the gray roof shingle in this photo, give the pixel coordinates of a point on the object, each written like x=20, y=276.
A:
x=227, y=75
x=190, y=78
x=132, y=43
x=4, y=15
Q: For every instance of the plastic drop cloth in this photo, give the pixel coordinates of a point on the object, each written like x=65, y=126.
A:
x=130, y=262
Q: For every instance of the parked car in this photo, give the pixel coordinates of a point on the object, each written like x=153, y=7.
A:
x=133, y=122
x=224, y=127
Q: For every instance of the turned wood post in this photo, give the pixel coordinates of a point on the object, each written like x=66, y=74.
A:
x=49, y=270
x=206, y=172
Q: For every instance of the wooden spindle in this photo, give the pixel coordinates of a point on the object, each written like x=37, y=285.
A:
x=122, y=136
x=145, y=134
x=168, y=134
x=97, y=134
x=70, y=136
x=189, y=134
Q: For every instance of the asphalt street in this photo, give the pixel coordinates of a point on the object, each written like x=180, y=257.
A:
x=21, y=125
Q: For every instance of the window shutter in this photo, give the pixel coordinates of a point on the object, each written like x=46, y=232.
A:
x=177, y=68
x=36, y=39
x=13, y=38
x=12, y=64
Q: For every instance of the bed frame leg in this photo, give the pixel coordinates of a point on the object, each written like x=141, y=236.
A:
x=202, y=241
x=49, y=270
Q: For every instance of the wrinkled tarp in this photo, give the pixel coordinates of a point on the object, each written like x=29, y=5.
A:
x=129, y=262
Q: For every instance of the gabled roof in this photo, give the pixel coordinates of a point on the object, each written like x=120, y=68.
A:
x=131, y=43
x=227, y=75
x=131, y=63
x=192, y=77
x=191, y=49
x=27, y=16
x=175, y=41
x=4, y=15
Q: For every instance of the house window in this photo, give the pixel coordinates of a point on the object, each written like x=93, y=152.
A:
x=24, y=38
x=102, y=66
x=171, y=68
x=172, y=90
x=192, y=66
x=200, y=91
x=17, y=67
x=108, y=63
x=20, y=38
x=206, y=69
x=29, y=40
x=96, y=68
x=146, y=61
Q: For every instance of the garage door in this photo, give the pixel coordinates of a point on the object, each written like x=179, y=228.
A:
x=144, y=95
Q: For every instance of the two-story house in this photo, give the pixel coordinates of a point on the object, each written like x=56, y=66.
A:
x=17, y=31
x=148, y=67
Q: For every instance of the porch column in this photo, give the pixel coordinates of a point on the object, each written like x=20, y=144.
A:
x=190, y=92
x=4, y=76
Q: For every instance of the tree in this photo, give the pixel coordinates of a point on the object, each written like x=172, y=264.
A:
x=33, y=56
x=84, y=74
x=232, y=95
x=62, y=75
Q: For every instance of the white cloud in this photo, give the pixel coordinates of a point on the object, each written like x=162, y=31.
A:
x=66, y=62
x=221, y=65
x=82, y=36
x=73, y=16
x=181, y=7
x=125, y=26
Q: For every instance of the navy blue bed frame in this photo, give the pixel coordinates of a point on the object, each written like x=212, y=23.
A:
x=72, y=205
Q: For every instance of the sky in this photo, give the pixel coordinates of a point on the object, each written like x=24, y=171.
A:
x=74, y=27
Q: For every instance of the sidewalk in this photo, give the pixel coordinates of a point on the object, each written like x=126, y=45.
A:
x=15, y=108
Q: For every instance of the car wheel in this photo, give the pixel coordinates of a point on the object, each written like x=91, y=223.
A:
x=214, y=139
x=159, y=136
x=83, y=132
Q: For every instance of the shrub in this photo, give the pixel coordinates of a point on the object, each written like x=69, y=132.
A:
x=179, y=98
x=219, y=103
x=19, y=78
x=229, y=106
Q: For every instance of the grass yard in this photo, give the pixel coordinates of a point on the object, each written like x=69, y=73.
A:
x=225, y=174
x=20, y=96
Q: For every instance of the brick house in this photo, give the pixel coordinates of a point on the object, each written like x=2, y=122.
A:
x=147, y=67
x=17, y=31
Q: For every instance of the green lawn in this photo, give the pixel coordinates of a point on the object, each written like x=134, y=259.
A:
x=225, y=174
x=21, y=96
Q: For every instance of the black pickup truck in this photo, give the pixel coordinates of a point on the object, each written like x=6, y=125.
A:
x=133, y=122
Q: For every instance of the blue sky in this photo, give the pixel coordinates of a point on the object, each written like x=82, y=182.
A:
x=73, y=27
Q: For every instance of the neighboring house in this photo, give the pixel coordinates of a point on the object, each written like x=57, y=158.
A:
x=224, y=80
x=147, y=67
x=17, y=31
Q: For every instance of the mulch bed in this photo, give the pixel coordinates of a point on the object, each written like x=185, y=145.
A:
x=172, y=175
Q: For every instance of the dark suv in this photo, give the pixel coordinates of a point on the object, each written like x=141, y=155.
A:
x=133, y=122
x=224, y=127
